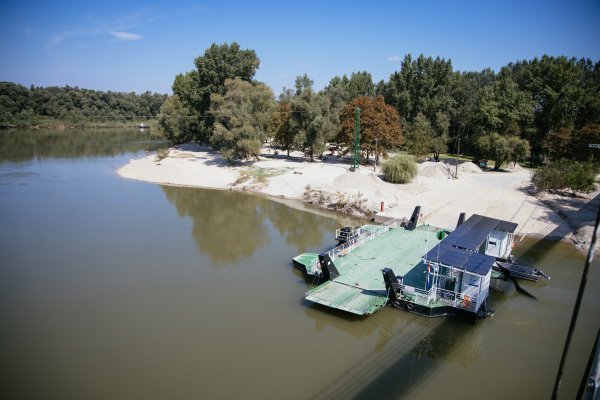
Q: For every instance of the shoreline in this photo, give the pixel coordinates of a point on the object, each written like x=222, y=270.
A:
x=503, y=195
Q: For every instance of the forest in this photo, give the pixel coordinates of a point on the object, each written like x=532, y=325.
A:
x=537, y=110
x=22, y=107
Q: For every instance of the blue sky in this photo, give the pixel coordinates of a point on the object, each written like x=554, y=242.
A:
x=139, y=45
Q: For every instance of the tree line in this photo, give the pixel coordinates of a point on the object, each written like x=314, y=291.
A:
x=539, y=110
x=543, y=109
x=38, y=106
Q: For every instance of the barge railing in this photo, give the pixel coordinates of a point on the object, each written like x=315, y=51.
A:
x=447, y=297
x=364, y=237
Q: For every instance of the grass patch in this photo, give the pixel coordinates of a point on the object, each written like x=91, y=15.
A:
x=449, y=156
x=400, y=169
x=259, y=175
x=162, y=153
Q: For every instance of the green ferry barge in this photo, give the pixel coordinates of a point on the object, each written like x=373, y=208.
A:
x=424, y=269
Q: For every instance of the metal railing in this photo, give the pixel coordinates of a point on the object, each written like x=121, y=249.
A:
x=448, y=297
x=455, y=299
x=364, y=237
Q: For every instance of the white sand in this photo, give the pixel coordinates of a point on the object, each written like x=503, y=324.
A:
x=494, y=194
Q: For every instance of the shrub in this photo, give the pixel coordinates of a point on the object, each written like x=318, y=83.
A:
x=566, y=174
x=400, y=169
x=162, y=153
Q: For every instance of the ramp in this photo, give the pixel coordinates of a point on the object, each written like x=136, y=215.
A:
x=347, y=298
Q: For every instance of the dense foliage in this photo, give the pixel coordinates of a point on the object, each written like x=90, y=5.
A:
x=379, y=126
x=566, y=174
x=311, y=118
x=72, y=106
x=539, y=110
x=401, y=168
x=242, y=117
x=176, y=121
x=195, y=88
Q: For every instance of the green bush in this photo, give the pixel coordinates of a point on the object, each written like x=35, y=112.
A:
x=400, y=169
x=566, y=174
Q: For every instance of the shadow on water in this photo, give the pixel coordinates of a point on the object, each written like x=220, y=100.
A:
x=406, y=358
x=398, y=367
x=229, y=227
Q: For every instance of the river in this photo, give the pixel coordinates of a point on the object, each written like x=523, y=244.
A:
x=114, y=289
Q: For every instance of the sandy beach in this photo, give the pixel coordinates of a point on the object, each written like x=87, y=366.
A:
x=503, y=194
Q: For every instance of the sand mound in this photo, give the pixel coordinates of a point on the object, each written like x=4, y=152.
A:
x=434, y=170
x=469, y=167
x=465, y=167
x=354, y=180
x=515, y=167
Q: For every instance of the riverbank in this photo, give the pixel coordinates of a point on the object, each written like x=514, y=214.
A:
x=329, y=182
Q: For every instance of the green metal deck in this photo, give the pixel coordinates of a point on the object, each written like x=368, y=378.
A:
x=360, y=288
x=305, y=261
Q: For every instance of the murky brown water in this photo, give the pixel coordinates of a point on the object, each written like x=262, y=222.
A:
x=118, y=289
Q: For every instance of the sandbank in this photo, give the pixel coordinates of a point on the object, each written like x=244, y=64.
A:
x=500, y=194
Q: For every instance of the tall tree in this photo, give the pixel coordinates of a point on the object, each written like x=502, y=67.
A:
x=219, y=63
x=581, y=143
x=310, y=117
x=423, y=85
x=557, y=144
x=242, y=117
x=439, y=141
x=419, y=136
x=564, y=92
x=283, y=133
x=360, y=84
x=379, y=126
x=518, y=149
x=494, y=146
x=176, y=121
x=466, y=89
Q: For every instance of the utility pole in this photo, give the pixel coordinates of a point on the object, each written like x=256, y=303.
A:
x=375, y=163
x=356, y=145
x=457, y=155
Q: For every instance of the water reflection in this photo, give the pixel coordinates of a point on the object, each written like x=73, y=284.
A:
x=230, y=227
x=23, y=145
x=227, y=227
x=301, y=229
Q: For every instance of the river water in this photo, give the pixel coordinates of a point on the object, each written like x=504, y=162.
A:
x=114, y=289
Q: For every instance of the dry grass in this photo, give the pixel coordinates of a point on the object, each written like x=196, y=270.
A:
x=258, y=175
x=162, y=153
x=352, y=205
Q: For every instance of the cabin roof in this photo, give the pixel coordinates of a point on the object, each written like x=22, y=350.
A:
x=475, y=230
x=445, y=253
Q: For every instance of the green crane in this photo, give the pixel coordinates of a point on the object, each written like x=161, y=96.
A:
x=356, y=144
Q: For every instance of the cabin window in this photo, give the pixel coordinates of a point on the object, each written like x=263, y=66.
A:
x=492, y=242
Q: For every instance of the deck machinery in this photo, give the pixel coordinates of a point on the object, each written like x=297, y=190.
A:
x=424, y=269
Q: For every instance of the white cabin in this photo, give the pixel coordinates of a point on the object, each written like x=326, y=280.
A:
x=463, y=261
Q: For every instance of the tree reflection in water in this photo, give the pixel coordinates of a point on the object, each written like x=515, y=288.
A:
x=229, y=227
x=23, y=145
x=303, y=230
